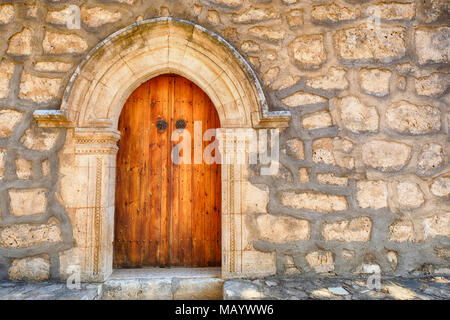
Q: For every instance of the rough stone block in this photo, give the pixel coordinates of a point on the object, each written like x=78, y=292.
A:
x=409, y=195
x=8, y=121
x=229, y=3
x=25, y=202
x=385, y=155
x=391, y=11
x=40, y=139
x=302, y=98
x=433, y=45
x=97, y=16
x=375, y=81
x=33, y=269
x=23, y=168
x=6, y=72
x=357, y=229
x=250, y=46
x=314, y=201
x=267, y=33
x=443, y=253
x=366, y=43
x=308, y=51
x=29, y=235
x=213, y=17
x=401, y=231
x=372, y=194
x=295, y=149
x=331, y=178
x=60, y=17
x=323, y=151
x=6, y=13
x=334, y=79
x=52, y=66
x=295, y=18
x=432, y=10
x=59, y=43
x=303, y=175
x=254, y=14
x=392, y=257
x=405, y=117
x=2, y=162
x=317, y=120
x=290, y=267
x=282, y=229
x=437, y=225
x=356, y=116
x=321, y=261
x=38, y=89
x=332, y=13
x=241, y=290
x=433, y=85
x=20, y=43
x=270, y=75
x=441, y=186
x=431, y=157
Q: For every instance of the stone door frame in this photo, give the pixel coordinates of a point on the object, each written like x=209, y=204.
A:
x=90, y=110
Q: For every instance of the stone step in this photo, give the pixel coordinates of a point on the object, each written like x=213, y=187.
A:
x=164, y=284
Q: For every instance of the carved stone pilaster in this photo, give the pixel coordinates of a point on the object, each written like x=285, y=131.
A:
x=94, y=159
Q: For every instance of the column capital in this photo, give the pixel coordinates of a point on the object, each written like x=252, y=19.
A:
x=96, y=140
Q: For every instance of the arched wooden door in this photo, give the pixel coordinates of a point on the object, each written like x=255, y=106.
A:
x=166, y=214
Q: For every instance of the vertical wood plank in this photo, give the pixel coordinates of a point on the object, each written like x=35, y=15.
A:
x=166, y=214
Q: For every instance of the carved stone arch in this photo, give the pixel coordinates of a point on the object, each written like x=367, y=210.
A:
x=91, y=107
x=112, y=70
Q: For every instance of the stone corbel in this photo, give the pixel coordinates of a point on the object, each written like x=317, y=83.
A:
x=271, y=119
x=52, y=119
x=58, y=119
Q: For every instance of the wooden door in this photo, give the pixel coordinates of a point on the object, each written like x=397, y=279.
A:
x=166, y=214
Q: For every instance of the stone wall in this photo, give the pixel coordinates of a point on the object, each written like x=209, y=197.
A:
x=364, y=182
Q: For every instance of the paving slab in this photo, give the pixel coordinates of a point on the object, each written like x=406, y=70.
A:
x=19, y=290
x=422, y=288
x=181, y=285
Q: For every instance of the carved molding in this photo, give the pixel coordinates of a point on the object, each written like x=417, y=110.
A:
x=96, y=141
x=98, y=213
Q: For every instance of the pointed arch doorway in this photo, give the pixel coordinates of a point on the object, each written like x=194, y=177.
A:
x=166, y=213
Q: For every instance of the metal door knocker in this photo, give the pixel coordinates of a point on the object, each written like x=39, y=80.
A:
x=180, y=124
x=161, y=125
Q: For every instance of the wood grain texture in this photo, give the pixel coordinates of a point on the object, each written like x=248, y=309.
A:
x=166, y=214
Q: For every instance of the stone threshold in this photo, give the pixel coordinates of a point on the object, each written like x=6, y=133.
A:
x=164, y=284
x=174, y=272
